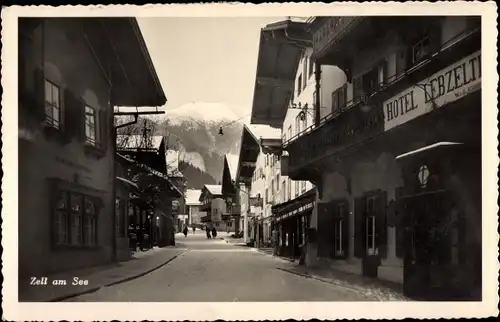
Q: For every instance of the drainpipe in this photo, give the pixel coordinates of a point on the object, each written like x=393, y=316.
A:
x=317, y=103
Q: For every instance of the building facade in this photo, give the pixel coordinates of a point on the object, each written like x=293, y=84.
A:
x=397, y=160
x=231, y=194
x=66, y=144
x=193, y=207
x=214, y=207
x=257, y=178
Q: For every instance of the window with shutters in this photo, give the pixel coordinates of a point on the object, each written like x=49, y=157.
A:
x=52, y=105
x=339, y=98
x=370, y=229
x=90, y=125
x=74, y=220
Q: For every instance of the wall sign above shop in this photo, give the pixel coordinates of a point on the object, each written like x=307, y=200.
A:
x=329, y=30
x=448, y=85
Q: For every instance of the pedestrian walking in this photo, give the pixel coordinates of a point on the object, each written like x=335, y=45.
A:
x=214, y=232
x=194, y=229
x=207, y=230
x=185, y=231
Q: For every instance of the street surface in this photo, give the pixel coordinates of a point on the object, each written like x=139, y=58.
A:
x=212, y=270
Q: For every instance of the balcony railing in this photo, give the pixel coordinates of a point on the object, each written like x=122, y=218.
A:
x=383, y=86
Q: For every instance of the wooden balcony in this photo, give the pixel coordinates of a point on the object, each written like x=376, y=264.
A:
x=206, y=206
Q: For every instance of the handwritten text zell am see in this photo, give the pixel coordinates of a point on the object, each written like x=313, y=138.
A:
x=44, y=281
x=445, y=86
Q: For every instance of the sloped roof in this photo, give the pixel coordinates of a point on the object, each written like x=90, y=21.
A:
x=192, y=197
x=232, y=162
x=214, y=189
x=263, y=132
x=129, y=142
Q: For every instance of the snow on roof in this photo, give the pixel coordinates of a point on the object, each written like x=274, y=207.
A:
x=263, y=131
x=232, y=162
x=137, y=141
x=214, y=189
x=192, y=196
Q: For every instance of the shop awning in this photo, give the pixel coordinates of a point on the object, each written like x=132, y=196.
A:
x=294, y=207
x=280, y=49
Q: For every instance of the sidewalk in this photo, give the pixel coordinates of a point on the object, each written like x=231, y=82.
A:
x=141, y=264
x=375, y=289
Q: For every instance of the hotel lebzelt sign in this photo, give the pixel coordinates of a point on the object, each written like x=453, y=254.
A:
x=448, y=85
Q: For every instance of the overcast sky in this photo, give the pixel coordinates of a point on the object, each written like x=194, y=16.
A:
x=205, y=60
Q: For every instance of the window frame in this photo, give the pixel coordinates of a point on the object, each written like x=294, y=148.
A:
x=296, y=188
x=416, y=45
x=49, y=119
x=69, y=213
x=88, y=140
x=298, y=121
x=299, y=85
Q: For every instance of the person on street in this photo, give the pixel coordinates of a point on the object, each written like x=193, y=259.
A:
x=194, y=229
x=214, y=232
x=207, y=230
x=185, y=231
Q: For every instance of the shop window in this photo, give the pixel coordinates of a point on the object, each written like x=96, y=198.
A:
x=52, y=105
x=371, y=246
x=90, y=125
x=74, y=220
x=338, y=228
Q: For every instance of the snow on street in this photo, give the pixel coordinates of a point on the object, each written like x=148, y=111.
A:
x=212, y=270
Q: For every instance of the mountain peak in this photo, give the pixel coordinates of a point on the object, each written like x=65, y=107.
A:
x=205, y=112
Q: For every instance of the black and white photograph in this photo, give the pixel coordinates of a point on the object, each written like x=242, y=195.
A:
x=239, y=161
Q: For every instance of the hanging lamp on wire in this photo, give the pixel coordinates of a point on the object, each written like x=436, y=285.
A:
x=221, y=131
